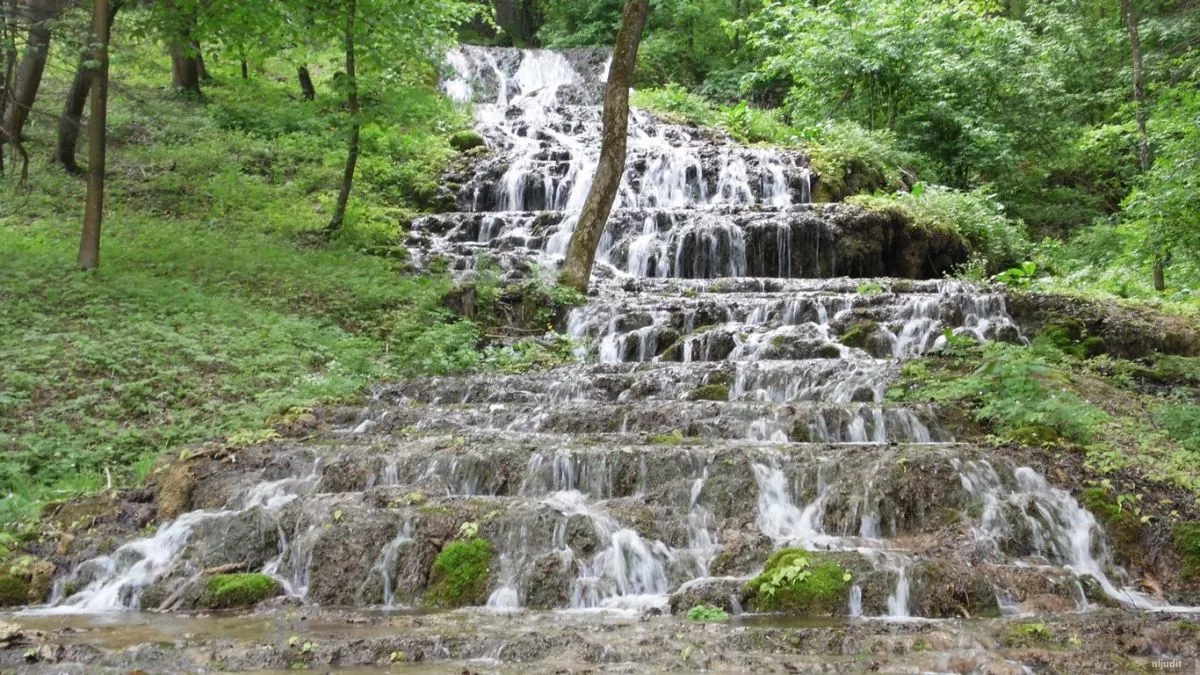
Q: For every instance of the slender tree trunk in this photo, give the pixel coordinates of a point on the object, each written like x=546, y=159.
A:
x=1139, y=100
x=245, y=70
x=1139, y=83
x=70, y=123
x=581, y=252
x=306, y=84
x=339, y=213
x=89, y=243
x=24, y=91
x=201, y=69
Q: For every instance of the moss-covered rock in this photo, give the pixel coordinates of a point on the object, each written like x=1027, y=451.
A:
x=1071, y=336
x=460, y=573
x=1187, y=545
x=797, y=581
x=13, y=591
x=1123, y=527
x=227, y=591
x=861, y=335
x=467, y=140
x=710, y=392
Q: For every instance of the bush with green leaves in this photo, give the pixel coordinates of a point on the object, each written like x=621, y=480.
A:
x=1023, y=394
x=975, y=215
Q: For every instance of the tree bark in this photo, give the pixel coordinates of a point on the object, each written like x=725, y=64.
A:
x=581, y=252
x=306, y=84
x=1139, y=83
x=24, y=91
x=245, y=70
x=89, y=242
x=201, y=69
x=185, y=70
x=1139, y=100
x=339, y=212
x=70, y=123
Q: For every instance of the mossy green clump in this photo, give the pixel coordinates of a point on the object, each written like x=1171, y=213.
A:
x=1122, y=525
x=1028, y=635
x=800, y=582
x=13, y=591
x=466, y=140
x=710, y=392
x=459, y=575
x=227, y=591
x=827, y=351
x=860, y=335
x=1071, y=336
x=1187, y=544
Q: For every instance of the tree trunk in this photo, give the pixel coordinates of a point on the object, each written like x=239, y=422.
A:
x=24, y=91
x=339, y=213
x=201, y=69
x=1139, y=100
x=1139, y=83
x=89, y=243
x=581, y=252
x=306, y=84
x=70, y=123
x=187, y=68
x=245, y=70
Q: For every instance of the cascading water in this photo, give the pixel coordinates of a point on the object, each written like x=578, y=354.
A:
x=731, y=400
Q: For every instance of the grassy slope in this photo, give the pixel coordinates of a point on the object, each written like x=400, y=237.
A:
x=210, y=313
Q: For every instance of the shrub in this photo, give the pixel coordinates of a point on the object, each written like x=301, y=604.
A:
x=1024, y=394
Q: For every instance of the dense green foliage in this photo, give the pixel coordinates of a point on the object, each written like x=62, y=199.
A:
x=460, y=573
x=1061, y=392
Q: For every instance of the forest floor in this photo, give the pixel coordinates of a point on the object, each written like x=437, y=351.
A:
x=219, y=304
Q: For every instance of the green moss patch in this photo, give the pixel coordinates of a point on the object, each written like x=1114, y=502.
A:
x=860, y=335
x=466, y=140
x=800, y=582
x=226, y=591
x=1187, y=544
x=710, y=392
x=459, y=575
x=1122, y=525
x=13, y=591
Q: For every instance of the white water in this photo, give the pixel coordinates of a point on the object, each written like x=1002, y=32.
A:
x=116, y=581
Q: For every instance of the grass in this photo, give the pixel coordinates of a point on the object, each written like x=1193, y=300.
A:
x=218, y=305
